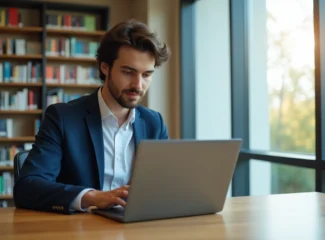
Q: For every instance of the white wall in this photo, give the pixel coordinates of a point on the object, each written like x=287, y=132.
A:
x=139, y=10
x=212, y=60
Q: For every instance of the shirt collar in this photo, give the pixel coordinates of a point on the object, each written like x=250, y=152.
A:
x=105, y=112
x=130, y=119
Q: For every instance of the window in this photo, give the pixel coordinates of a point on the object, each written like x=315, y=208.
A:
x=273, y=178
x=276, y=83
x=290, y=75
x=281, y=75
x=281, y=88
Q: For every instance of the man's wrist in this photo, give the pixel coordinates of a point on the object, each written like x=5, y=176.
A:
x=76, y=203
x=88, y=199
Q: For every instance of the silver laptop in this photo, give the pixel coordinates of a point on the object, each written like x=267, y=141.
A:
x=177, y=178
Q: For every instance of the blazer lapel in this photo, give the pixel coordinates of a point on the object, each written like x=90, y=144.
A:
x=94, y=123
x=139, y=129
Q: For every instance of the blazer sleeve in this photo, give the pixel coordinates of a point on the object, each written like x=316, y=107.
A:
x=163, y=131
x=36, y=188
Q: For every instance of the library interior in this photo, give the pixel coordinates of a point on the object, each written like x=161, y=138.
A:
x=248, y=70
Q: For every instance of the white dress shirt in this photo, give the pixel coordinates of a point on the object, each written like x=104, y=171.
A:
x=118, y=151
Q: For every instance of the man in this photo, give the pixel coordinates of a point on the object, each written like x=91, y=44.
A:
x=84, y=149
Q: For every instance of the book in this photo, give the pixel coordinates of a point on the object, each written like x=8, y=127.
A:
x=13, y=17
x=3, y=128
x=72, y=74
x=6, y=127
x=71, y=47
x=20, y=73
x=20, y=46
x=71, y=21
x=58, y=95
x=25, y=99
x=33, y=47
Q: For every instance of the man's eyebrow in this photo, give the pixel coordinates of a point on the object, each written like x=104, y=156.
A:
x=135, y=70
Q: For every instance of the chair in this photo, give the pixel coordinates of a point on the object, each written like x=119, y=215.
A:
x=19, y=160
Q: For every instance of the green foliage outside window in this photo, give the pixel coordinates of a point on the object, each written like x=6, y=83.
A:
x=291, y=93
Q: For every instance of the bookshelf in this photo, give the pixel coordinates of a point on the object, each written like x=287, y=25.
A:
x=6, y=168
x=21, y=112
x=17, y=139
x=74, y=86
x=21, y=57
x=20, y=85
x=47, y=55
x=72, y=59
x=20, y=30
x=78, y=33
x=6, y=197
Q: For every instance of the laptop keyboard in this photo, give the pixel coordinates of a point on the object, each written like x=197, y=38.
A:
x=117, y=210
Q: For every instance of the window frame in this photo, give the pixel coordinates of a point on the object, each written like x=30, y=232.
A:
x=240, y=86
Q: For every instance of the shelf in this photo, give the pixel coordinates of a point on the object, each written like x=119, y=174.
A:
x=6, y=168
x=73, y=85
x=21, y=29
x=73, y=32
x=21, y=112
x=6, y=197
x=16, y=139
x=21, y=57
x=71, y=59
x=21, y=85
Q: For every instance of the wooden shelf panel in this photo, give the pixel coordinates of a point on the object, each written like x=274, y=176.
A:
x=21, y=29
x=21, y=57
x=17, y=139
x=6, y=197
x=20, y=85
x=71, y=59
x=73, y=85
x=73, y=32
x=6, y=168
x=21, y=112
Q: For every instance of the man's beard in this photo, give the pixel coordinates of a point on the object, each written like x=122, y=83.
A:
x=120, y=97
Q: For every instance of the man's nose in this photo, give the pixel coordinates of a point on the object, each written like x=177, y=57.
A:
x=137, y=81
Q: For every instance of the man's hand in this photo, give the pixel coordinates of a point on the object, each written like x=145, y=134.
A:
x=106, y=199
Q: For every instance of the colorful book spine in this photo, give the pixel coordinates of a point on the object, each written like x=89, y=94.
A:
x=26, y=99
x=69, y=21
x=18, y=73
x=10, y=17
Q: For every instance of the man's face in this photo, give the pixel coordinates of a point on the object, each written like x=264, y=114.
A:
x=130, y=76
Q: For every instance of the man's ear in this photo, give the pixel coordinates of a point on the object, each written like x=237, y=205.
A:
x=105, y=68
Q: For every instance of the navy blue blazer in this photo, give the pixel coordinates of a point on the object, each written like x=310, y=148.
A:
x=68, y=153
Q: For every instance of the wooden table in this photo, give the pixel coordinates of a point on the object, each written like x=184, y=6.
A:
x=279, y=217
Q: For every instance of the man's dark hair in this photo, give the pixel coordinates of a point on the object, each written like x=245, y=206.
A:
x=134, y=34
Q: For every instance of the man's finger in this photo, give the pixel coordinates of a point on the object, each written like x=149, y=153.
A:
x=121, y=193
x=119, y=201
x=125, y=187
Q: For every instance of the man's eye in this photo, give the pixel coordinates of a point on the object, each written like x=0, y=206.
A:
x=146, y=75
x=127, y=72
